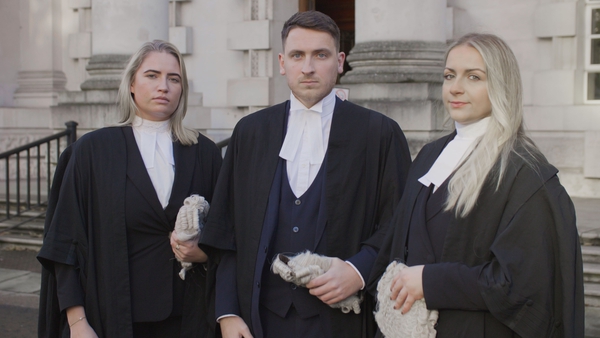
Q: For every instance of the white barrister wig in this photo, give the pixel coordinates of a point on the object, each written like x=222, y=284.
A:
x=306, y=266
x=189, y=223
x=419, y=322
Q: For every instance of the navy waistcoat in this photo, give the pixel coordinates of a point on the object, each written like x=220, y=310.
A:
x=295, y=232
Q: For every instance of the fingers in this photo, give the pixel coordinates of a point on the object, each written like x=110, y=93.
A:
x=189, y=252
x=408, y=304
x=337, y=284
x=407, y=288
x=234, y=327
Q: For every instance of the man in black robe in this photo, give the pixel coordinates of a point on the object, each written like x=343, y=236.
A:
x=313, y=173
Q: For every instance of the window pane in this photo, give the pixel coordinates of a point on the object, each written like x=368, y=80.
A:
x=593, y=86
x=596, y=21
x=595, y=59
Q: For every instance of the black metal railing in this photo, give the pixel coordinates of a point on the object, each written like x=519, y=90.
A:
x=40, y=158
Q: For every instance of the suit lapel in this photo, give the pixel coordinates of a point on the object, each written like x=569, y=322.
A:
x=268, y=160
x=413, y=186
x=334, y=157
x=138, y=175
x=185, y=164
x=437, y=200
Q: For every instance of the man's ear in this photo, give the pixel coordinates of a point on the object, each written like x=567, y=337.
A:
x=341, y=58
x=281, y=61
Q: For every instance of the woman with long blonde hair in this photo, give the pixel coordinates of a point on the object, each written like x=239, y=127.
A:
x=110, y=267
x=485, y=227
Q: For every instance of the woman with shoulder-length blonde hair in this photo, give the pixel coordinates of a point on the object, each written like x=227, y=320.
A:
x=126, y=102
x=484, y=226
x=110, y=262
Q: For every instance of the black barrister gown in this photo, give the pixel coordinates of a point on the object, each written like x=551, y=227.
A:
x=86, y=228
x=367, y=162
x=522, y=241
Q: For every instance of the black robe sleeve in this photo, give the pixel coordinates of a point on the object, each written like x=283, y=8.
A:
x=69, y=290
x=49, y=323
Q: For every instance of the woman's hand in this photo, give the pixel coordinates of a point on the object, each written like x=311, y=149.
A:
x=407, y=287
x=83, y=330
x=78, y=324
x=187, y=251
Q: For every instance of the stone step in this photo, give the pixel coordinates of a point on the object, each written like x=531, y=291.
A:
x=592, y=294
x=20, y=242
x=36, y=224
x=590, y=238
x=590, y=254
x=591, y=273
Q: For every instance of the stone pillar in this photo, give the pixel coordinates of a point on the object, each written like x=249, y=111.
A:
x=40, y=78
x=397, y=63
x=118, y=29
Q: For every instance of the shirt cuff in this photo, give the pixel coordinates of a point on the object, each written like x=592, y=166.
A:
x=225, y=316
x=363, y=262
x=358, y=273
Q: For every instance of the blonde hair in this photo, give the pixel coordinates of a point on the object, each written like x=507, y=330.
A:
x=126, y=103
x=505, y=130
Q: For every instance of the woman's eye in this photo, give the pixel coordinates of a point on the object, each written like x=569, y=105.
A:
x=174, y=80
x=448, y=76
x=474, y=77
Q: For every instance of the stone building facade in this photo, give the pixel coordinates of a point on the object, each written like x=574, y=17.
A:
x=61, y=60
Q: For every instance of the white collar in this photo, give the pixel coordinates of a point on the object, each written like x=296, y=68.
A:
x=324, y=107
x=472, y=130
x=309, y=122
x=455, y=152
x=153, y=136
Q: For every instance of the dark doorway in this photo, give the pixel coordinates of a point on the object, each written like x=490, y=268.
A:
x=342, y=12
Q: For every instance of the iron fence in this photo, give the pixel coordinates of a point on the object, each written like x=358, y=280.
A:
x=28, y=172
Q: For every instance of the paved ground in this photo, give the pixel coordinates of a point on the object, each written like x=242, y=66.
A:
x=19, y=293
x=20, y=280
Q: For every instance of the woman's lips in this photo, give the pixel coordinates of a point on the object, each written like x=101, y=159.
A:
x=457, y=104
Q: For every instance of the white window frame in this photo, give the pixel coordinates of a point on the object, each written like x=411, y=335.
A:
x=589, y=67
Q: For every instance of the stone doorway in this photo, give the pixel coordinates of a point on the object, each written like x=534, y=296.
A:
x=342, y=12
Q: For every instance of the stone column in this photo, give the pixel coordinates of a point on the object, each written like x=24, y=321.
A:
x=40, y=76
x=397, y=63
x=119, y=28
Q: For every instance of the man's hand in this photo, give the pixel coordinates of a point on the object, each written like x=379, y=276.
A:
x=337, y=284
x=187, y=251
x=234, y=327
x=407, y=287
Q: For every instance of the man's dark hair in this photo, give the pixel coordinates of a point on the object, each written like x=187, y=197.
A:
x=312, y=20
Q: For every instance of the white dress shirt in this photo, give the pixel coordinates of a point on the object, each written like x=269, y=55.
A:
x=305, y=142
x=455, y=152
x=155, y=143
